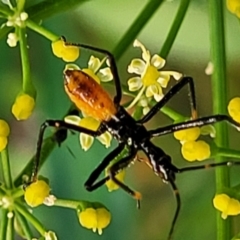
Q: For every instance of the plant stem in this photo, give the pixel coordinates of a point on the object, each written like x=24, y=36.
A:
x=30, y=218
x=183, y=7
x=20, y=5
x=6, y=169
x=226, y=152
x=68, y=203
x=41, y=30
x=3, y=225
x=27, y=83
x=24, y=225
x=172, y=114
x=219, y=91
x=136, y=27
x=10, y=229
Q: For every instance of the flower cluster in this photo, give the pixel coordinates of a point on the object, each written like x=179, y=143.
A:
x=91, y=215
x=149, y=80
x=17, y=20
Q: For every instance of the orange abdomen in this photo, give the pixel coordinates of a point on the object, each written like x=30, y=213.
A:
x=88, y=95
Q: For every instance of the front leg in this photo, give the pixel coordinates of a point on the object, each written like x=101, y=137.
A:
x=90, y=184
x=57, y=124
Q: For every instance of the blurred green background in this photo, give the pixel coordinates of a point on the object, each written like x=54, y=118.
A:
x=103, y=23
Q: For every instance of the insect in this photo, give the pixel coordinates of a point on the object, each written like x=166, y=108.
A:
x=91, y=98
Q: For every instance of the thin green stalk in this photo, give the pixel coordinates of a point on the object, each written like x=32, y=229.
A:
x=230, y=153
x=68, y=203
x=10, y=229
x=7, y=177
x=136, y=27
x=20, y=5
x=183, y=7
x=24, y=226
x=30, y=218
x=3, y=225
x=41, y=30
x=172, y=114
x=27, y=82
x=219, y=91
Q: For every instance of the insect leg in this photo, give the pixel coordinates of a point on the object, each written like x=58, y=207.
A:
x=113, y=170
x=113, y=67
x=172, y=92
x=90, y=184
x=193, y=123
x=56, y=124
x=118, y=166
x=207, y=166
x=178, y=201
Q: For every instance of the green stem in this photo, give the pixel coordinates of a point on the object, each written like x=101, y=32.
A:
x=20, y=5
x=3, y=225
x=17, y=192
x=219, y=89
x=10, y=229
x=172, y=114
x=41, y=30
x=27, y=83
x=183, y=7
x=24, y=226
x=30, y=218
x=7, y=177
x=136, y=27
x=230, y=153
x=68, y=203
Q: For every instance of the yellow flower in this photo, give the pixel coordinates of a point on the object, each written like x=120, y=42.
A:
x=151, y=79
x=111, y=185
x=228, y=206
x=189, y=134
x=23, y=106
x=234, y=7
x=95, y=219
x=4, y=128
x=195, y=150
x=86, y=140
x=96, y=72
x=234, y=109
x=68, y=53
x=3, y=143
x=4, y=132
x=36, y=193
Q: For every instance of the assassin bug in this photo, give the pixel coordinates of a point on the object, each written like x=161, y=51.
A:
x=91, y=98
